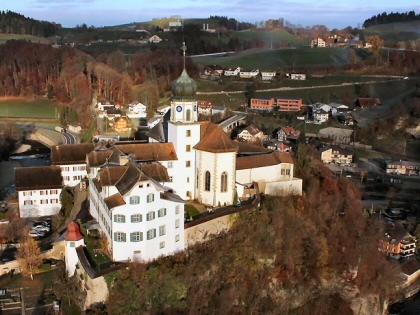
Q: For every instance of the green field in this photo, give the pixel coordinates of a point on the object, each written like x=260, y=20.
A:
x=394, y=32
x=276, y=59
x=39, y=108
x=5, y=37
x=277, y=38
x=389, y=92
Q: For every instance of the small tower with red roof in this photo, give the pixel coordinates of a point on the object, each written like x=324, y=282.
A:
x=73, y=240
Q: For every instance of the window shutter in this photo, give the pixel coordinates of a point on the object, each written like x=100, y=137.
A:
x=115, y=236
x=123, y=219
x=123, y=237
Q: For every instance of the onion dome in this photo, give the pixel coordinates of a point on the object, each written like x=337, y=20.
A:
x=73, y=232
x=184, y=86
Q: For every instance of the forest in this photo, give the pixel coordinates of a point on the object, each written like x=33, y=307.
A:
x=292, y=255
x=385, y=18
x=71, y=76
x=15, y=23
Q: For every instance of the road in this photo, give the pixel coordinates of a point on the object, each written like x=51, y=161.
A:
x=304, y=87
x=68, y=137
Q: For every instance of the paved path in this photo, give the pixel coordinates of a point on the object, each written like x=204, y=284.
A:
x=302, y=88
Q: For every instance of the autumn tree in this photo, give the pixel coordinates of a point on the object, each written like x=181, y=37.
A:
x=376, y=44
x=28, y=256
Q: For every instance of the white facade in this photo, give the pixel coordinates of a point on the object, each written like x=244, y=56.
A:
x=184, y=133
x=143, y=228
x=71, y=257
x=232, y=72
x=267, y=75
x=38, y=203
x=268, y=177
x=216, y=178
x=249, y=74
x=137, y=110
x=73, y=173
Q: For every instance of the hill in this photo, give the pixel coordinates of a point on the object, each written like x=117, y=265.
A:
x=277, y=38
x=275, y=59
x=394, y=32
x=34, y=39
x=15, y=23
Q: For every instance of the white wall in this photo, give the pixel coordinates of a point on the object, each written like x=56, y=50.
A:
x=183, y=178
x=71, y=255
x=39, y=202
x=73, y=173
x=268, y=174
x=216, y=164
x=146, y=249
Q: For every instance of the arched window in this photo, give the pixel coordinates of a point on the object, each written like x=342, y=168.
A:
x=188, y=114
x=207, y=179
x=223, y=184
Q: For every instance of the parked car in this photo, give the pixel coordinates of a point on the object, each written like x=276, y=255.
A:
x=36, y=234
x=41, y=228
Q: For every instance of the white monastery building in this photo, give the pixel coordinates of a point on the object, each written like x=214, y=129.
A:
x=137, y=190
x=71, y=158
x=39, y=190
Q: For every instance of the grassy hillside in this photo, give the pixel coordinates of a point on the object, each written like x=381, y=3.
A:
x=39, y=108
x=34, y=39
x=275, y=59
x=394, y=32
x=278, y=38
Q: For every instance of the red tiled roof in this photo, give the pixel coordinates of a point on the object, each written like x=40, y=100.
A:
x=262, y=160
x=35, y=178
x=98, y=158
x=73, y=232
x=156, y=171
x=109, y=176
x=114, y=201
x=214, y=139
x=149, y=151
x=70, y=153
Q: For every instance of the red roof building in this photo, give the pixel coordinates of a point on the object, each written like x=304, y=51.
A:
x=73, y=232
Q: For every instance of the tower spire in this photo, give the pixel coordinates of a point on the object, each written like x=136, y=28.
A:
x=184, y=49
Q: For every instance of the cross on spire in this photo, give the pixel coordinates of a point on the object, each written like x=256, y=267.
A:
x=184, y=49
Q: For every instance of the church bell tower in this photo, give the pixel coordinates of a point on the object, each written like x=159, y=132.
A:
x=184, y=132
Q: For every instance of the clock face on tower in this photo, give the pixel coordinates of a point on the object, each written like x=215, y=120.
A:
x=179, y=108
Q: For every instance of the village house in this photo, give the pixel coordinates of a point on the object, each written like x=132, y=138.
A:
x=296, y=76
x=281, y=104
x=205, y=108
x=287, y=133
x=213, y=70
x=267, y=75
x=403, y=168
x=364, y=102
x=71, y=158
x=104, y=105
x=318, y=42
x=137, y=110
x=39, y=190
x=120, y=124
x=232, y=72
x=251, y=134
x=248, y=74
x=397, y=243
x=289, y=104
x=337, y=155
x=320, y=115
x=155, y=39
